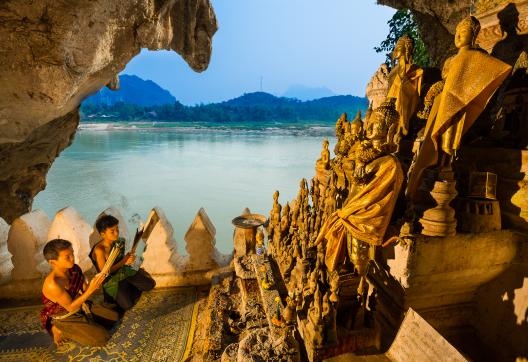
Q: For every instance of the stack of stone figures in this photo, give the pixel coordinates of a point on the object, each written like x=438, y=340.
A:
x=391, y=180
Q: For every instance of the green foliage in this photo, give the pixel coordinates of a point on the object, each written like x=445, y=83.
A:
x=403, y=22
x=248, y=108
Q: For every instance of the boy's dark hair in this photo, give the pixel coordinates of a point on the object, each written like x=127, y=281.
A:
x=105, y=222
x=54, y=247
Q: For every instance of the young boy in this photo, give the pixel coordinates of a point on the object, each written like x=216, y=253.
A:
x=64, y=292
x=124, y=285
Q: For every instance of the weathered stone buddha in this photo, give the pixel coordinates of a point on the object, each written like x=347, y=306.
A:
x=471, y=78
x=274, y=219
x=405, y=81
x=366, y=213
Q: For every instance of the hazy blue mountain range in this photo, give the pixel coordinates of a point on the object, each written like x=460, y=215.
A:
x=133, y=90
x=305, y=93
x=250, y=107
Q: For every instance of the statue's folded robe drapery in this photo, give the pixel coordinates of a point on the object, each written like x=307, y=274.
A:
x=367, y=213
x=472, y=79
x=407, y=94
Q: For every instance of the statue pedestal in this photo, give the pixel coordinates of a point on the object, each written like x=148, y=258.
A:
x=440, y=220
x=449, y=281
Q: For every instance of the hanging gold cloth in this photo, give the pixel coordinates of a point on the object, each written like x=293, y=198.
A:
x=406, y=90
x=472, y=79
x=366, y=214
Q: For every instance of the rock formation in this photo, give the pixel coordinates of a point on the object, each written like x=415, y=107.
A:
x=54, y=54
x=25, y=164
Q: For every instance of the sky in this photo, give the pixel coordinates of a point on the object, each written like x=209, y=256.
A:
x=314, y=43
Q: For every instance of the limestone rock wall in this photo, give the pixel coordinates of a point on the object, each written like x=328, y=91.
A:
x=55, y=53
x=25, y=164
x=504, y=25
x=437, y=21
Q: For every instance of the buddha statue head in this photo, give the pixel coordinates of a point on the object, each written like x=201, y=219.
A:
x=325, y=144
x=466, y=32
x=276, y=197
x=404, y=49
x=339, y=124
x=383, y=125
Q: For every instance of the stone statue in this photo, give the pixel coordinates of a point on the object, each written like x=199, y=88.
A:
x=458, y=105
x=285, y=220
x=324, y=162
x=334, y=287
x=274, y=221
x=344, y=145
x=329, y=319
x=340, y=131
x=367, y=211
x=405, y=81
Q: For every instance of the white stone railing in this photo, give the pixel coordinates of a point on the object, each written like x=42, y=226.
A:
x=23, y=267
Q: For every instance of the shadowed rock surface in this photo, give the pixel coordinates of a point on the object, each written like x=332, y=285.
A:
x=54, y=54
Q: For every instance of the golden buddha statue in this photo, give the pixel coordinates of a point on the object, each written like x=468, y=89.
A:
x=405, y=81
x=471, y=78
x=366, y=213
x=323, y=163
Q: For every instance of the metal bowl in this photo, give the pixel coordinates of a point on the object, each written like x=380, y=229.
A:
x=249, y=221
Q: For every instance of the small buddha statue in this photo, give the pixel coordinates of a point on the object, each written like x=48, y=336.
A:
x=274, y=220
x=259, y=247
x=285, y=220
x=344, y=145
x=323, y=163
x=334, y=287
x=340, y=131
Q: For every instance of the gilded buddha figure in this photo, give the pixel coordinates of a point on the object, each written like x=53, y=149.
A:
x=405, y=81
x=365, y=215
x=471, y=78
x=324, y=162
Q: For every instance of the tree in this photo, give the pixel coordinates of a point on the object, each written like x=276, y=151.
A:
x=403, y=22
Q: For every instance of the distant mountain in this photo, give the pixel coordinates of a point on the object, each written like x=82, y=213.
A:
x=133, y=90
x=305, y=93
x=259, y=99
x=255, y=107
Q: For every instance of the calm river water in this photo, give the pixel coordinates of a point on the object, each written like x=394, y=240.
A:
x=181, y=168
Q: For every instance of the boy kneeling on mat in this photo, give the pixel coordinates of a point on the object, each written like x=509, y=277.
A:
x=124, y=285
x=65, y=293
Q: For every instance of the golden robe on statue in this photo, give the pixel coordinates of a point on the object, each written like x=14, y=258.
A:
x=472, y=78
x=367, y=213
x=406, y=90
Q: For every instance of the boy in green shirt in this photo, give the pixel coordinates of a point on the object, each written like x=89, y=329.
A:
x=124, y=285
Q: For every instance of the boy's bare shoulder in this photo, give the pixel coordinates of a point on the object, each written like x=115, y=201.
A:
x=50, y=287
x=99, y=248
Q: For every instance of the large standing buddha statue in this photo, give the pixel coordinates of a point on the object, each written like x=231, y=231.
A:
x=405, y=81
x=471, y=78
